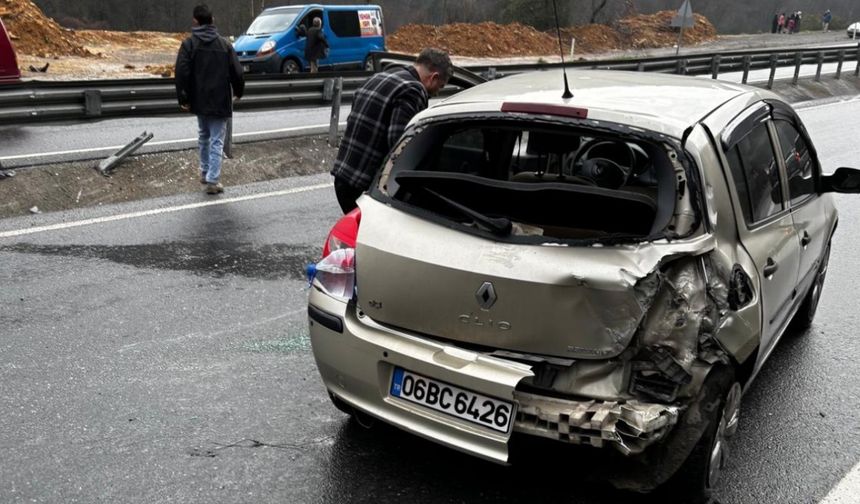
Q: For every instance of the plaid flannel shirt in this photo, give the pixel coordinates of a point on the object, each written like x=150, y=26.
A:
x=380, y=111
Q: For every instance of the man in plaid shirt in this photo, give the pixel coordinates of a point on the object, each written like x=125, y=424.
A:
x=380, y=111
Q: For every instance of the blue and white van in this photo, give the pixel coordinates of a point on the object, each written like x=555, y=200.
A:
x=272, y=43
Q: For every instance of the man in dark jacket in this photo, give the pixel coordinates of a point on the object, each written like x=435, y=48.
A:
x=208, y=79
x=316, y=45
x=381, y=109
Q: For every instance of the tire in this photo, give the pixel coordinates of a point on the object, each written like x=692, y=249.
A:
x=806, y=313
x=291, y=66
x=700, y=474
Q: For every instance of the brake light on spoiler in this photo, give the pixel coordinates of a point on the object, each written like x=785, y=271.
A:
x=545, y=109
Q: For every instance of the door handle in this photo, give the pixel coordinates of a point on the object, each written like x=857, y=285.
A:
x=806, y=239
x=770, y=268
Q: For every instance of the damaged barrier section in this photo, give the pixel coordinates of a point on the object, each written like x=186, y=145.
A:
x=634, y=400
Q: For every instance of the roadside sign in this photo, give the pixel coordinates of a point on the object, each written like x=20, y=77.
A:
x=684, y=17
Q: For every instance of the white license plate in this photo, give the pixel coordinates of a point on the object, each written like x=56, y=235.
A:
x=461, y=403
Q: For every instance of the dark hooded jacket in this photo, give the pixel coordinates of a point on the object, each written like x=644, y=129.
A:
x=208, y=73
x=316, y=44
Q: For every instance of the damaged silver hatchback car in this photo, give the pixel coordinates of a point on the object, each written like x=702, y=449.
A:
x=607, y=270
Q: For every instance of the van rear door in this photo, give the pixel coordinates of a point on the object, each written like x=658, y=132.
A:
x=8, y=61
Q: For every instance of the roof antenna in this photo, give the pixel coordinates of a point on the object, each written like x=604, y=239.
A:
x=567, y=94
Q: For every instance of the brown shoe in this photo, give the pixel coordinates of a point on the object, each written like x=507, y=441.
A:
x=216, y=188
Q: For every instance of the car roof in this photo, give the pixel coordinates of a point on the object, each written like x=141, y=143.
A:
x=324, y=6
x=658, y=102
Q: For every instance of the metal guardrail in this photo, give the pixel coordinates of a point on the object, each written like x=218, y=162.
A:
x=47, y=101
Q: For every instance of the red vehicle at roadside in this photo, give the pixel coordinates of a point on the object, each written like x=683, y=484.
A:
x=8, y=61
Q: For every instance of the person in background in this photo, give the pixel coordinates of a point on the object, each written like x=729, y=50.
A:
x=208, y=79
x=826, y=18
x=781, y=23
x=775, y=24
x=797, y=19
x=792, y=20
x=380, y=111
x=316, y=45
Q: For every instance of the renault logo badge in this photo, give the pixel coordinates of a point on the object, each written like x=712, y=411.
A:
x=486, y=296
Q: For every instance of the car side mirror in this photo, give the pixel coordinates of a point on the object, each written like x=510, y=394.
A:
x=843, y=180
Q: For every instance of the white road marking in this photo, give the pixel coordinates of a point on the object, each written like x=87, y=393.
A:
x=847, y=491
x=159, y=211
x=160, y=142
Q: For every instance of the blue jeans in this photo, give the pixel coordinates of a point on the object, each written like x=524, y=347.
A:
x=210, y=140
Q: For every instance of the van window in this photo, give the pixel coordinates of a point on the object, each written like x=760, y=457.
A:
x=344, y=23
x=273, y=21
x=756, y=175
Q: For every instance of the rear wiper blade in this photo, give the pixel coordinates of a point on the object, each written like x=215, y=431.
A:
x=500, y=226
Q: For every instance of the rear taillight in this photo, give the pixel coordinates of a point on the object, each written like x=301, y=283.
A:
x=344, y=233
x=335, y=272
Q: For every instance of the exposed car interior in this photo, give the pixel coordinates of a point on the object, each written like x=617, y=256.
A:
x=528, y=180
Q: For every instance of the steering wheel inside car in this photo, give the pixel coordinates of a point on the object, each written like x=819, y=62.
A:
x=606, y=162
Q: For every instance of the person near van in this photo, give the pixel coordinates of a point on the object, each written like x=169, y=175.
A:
x=316, y=45
x=381, y=109
x=826, y=18
x=208, y=79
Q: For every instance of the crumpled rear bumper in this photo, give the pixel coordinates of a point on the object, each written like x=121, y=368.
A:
x=629, y=427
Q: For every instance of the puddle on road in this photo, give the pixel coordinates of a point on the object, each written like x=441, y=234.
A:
x=218, y=259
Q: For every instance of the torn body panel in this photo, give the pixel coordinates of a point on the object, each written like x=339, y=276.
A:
x=629, y=427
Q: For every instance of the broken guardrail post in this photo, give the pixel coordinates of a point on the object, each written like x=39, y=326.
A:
x=798, y=61
x=92, y=102
x=747, y=64
x=774, y=61
x=337, y=93
x=106, y=166
x=857, y=70
x=839, y=66
x=681, y=67
x=715, y=66
x=820, y=60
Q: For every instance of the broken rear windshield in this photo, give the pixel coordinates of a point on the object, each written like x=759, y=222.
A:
x=526, y=179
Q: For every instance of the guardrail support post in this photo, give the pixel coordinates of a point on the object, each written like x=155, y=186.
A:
x=640, y=67
x=857, y=70
x=820, y=64
x=774, y=61
x=798, y=61
x=106, y=166
x=747, y=63
x=715, y=66
x=92, y=102
x=681, y=68
x=839, y=67
x=335, y=111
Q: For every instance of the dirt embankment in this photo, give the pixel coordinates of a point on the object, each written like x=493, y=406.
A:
x=495, y=40
x=92, y=54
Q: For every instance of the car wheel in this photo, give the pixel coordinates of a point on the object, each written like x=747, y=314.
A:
x=806, y=313
x=699, y=475
x=291, y=66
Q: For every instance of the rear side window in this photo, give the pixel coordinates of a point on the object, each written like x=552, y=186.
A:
x=756, y=175
x=798, y=162
x=344, y=23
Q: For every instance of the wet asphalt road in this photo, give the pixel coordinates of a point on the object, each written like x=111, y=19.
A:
x=165, y=358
